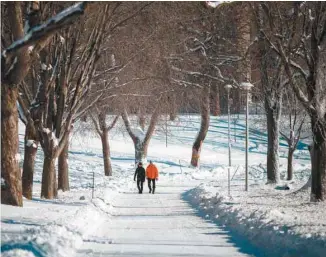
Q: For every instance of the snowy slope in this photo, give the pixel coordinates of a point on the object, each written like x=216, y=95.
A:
x=65, y=226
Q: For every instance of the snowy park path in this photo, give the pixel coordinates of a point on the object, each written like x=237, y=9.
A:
x=162, y=224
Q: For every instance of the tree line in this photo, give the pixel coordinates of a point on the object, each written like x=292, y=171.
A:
x=63, y=63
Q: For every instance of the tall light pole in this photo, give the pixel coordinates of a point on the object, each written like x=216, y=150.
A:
x=247, y=86
x=166, y=131
x=228, y=87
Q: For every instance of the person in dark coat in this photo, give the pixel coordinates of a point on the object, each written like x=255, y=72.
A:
x=140, y=174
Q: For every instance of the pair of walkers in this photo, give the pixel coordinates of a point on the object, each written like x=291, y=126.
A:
x=151, y=174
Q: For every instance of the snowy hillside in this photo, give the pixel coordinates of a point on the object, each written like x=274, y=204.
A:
x=191, y=213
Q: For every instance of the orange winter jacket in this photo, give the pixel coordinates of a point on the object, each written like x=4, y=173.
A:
x=151, y=171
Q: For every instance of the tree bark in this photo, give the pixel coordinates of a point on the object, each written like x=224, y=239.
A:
x=173, y=109
x=290, y=164
x=49, y=185
x=106, y=153
x=215, y=96
x=11, y=191
x=273, y=118
x=205, y=112
x=31, y=145
x=173, y=116
x=318, y=162
x=63, y=169
x=243, y=40
x=141, y=151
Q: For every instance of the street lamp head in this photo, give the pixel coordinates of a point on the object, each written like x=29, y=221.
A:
x=246, y=86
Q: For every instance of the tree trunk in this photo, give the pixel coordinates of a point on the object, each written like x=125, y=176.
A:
x=215, y=96
x=31, y=145
x=173, y=116
x=49, y=185
x=290, y=164
x=141, y=146
x=318, y=163
x=273, y=118
x=106, y=153
x=28, y=170
x=63, y=169
x=140, y=151
x=173, y=108
x=205, y=111
x=11, y=189
x=243, y=22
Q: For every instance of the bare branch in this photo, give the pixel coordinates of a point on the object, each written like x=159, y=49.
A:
x=48, y=28
x=96, y=125
x=113, y=122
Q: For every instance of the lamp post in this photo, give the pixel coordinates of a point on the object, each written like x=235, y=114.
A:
x=228, y=87
x=166, y=131
x=247, y=86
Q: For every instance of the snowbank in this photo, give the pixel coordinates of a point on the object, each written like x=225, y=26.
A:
x=280, y=225
x=60, y=237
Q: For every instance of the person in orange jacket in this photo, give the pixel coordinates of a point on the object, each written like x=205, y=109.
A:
x=152, y=175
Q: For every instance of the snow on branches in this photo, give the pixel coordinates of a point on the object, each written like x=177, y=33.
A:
x=50, y=26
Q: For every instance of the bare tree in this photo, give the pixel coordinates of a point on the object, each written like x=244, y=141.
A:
x=141, y=139
x=60, y=112
x=15, y=64
x=272, y=85
x=103, y=129
x=297, y=33
x=205, y=117
x=293, y=125
x=205, y=60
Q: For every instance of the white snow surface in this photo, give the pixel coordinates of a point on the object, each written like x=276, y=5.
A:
x=190, y=214
x=30, y=143
x=46, y=130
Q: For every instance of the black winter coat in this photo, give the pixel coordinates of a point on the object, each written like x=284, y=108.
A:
x=140, y=173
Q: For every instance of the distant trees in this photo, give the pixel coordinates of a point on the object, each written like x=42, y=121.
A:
x=206, y=59
x=102, y=128
x=144, y=61
x=294, y=125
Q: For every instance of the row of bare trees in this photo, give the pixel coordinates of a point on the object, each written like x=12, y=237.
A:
x=50, y=80
x=26, y=42
x=131, y=59
x=279, y=47
x=293, y=35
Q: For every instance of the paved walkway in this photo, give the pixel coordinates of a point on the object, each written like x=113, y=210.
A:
x=157, y=225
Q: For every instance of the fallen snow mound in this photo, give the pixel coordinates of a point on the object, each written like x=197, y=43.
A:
x=61, y=238
x=261, y=228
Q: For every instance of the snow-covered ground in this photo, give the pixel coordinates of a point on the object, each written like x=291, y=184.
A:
x=191, y=214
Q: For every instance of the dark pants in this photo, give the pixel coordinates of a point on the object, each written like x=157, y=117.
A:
x=140, y=186
x=151, y=181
